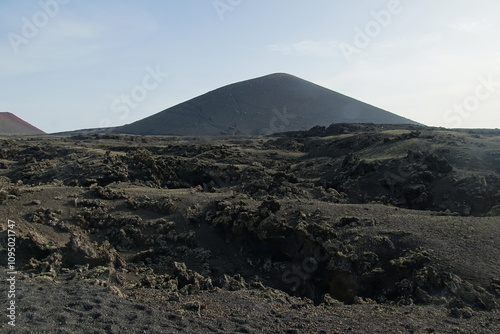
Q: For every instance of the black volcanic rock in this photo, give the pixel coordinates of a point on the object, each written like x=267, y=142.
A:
x=269, y=104
x=273, y=234
x=10, y=124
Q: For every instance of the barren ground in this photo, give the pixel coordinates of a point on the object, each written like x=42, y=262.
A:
x=349, y=229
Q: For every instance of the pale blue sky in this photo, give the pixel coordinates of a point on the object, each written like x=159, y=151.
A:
x=70, y=64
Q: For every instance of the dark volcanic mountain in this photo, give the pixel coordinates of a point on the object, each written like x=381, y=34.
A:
x=269, y=104
x=10, y=124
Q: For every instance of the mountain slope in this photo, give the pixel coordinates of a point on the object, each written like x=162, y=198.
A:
x=10, y=124
x=273, y=103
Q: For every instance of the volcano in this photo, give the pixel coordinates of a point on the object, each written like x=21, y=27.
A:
x=10, y=124
x=274, y=103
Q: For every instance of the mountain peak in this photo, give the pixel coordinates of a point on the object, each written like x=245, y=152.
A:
x=10, y=124
x=279, y=75
x=273, y=103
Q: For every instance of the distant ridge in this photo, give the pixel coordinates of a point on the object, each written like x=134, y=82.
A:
x=10, y=124
x=273, y=103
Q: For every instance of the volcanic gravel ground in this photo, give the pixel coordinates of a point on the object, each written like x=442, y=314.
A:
x=346, y=229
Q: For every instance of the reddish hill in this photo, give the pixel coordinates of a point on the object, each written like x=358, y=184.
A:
x=10, y=124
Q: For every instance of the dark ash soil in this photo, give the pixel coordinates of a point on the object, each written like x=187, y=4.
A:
x=346, y=229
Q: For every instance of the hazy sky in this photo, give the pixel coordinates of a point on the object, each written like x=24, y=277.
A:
x=73, y=64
